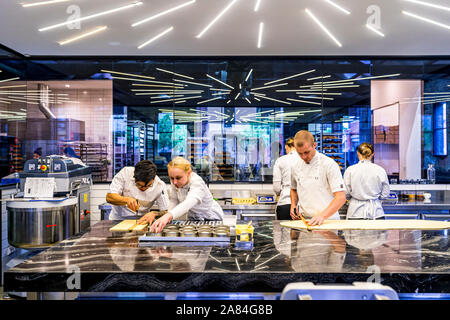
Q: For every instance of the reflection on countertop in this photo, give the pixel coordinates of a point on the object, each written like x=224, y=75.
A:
x=279, y=256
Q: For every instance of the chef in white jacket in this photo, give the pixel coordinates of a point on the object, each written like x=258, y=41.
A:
x=316, y=183
x=282, y=180
x=366, y=183
x=189, y=194
x=133, y=192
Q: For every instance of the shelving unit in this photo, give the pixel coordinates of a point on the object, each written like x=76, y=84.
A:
x=135, y=142
x=331, y=145
x=120, y=141
x=95, y=155
x=16, y=156
x=197, y=148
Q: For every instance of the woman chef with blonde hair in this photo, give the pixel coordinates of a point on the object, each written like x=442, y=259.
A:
x=189, y=194
x=366, y=183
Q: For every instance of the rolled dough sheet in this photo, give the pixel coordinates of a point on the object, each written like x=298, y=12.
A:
x=128, y=225
x=371, y=225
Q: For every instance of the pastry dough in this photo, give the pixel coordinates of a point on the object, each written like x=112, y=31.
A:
x=371, y=225
x=127, y=226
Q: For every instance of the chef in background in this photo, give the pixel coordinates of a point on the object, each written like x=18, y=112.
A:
x=366, y=183
x=316, y=183
x=137, y=188
x=282, y=180
x=188, y=193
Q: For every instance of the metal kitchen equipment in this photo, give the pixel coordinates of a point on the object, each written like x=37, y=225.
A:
x=42, y=222
x=190, y=233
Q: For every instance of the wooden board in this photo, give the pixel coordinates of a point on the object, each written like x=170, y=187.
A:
x=371, y=225
x=128, y=226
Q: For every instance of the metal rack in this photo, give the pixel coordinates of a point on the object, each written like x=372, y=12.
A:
x=95, y=155
x=331, y=145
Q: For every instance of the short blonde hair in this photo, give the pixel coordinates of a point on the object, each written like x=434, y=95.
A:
x=290, y=142
x=180, y=163
x=302, y=137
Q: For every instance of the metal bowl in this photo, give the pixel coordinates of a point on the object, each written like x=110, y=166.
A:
x=171, y=226
x=221, y=234
x=188, y=233
x=204, y=234
x=171, y=233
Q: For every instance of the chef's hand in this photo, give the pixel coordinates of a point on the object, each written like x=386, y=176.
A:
x=294, y=212
x=316, y=221
x=148, y=218
x=132, y=203
x=159, y=224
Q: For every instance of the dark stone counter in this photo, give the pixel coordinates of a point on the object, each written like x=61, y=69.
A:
x=408, y=261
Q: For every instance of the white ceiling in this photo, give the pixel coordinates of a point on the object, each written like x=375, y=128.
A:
x=288, y=30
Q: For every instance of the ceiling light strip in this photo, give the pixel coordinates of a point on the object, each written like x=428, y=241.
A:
x=41, y=3
x=205, y=101
x=155, y=38
x=432, y=5
x=162, y=13
x=15, y=86
x=215, y=89
x=375, y=30
x=227, y=85
x=321, y=98
x=258, y=3
x=11, y=79
x=272, y=99
x=359, y=79
x=150, y=81
x=216, y=18
x=176, y=74
x=70, y=21
x=194, y=83
x=317, y=78
x=177, y=99
x=321, y=93
x=248, y=75
x=84, y=35
x=128, y=74
x=261, y=28
x=157, y=86
x=338, y=6
x=323, y=27
x=272, y=86
x=426, y=19
x=303, y=101
x=290, y=77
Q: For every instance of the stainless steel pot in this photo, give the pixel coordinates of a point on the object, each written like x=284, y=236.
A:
x=40, y=224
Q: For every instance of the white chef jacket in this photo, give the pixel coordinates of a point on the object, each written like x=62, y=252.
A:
x=315, y=184
x=366, y=183
x=124, y=184
x=282, y=177
x=195, y=199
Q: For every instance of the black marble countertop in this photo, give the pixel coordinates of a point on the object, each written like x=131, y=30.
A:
x=407, y=261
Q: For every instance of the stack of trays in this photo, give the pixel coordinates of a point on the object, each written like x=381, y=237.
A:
x=189, y=234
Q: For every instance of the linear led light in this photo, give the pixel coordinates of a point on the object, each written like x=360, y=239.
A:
x=321, y=98
x=323, y=93
x=290, y=77
x=316, y=78
x=217, y=18
x=127, y=74
x=374, y=30
x=258, y=2
x=166, y=90
x=228, y=101
x=303, y=90
x=175, y=96
x=338, y=6
x=248, y=75
x=437, y=92
x=162, y=13
x=272, y=86
x=157, y=86
x=225, y=90
x=326, y=85
x=16, y=100
x=208, y=100
x=4, y=102
x=323, y=27
x=91, y=16
x=261, y=28
x=195, y=83
x=358, y=79
x=151, y=81
x=272, y=99
x=227, y=85
x=338, y=87
x=176, y=99
x=84, y=35
x=235, y=98
x=303, y=101
x=41, y=3
x=11, y=79
x=160, y=93
x=432, y=5
x=15, y=86
x=426, y=20
x=176, y=74
x=155, y=38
